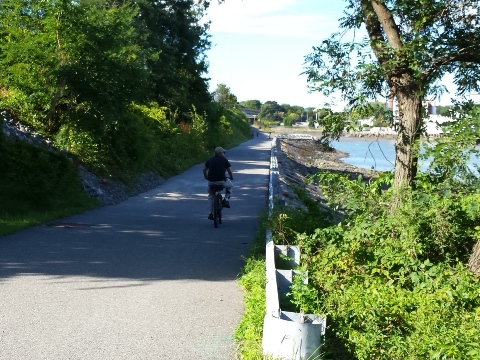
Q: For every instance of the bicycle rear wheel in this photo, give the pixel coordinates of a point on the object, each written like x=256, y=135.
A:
x=217, y=209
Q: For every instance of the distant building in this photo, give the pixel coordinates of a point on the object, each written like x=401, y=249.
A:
x=366, y=122
x=252, y=115
x=431, y=122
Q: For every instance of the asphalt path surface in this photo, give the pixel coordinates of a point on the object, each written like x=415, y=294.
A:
x=149, y=278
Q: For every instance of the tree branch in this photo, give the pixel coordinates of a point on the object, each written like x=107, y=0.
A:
x=374, y=30
x=388, y=23
x=467, y=54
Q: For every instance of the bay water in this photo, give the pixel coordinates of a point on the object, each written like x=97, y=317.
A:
x=369, y=153
x=374, y=153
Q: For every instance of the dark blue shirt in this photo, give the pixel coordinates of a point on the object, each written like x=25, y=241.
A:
x=217, y=165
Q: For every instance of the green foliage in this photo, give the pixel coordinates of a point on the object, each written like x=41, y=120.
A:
x=426, y=35
x=291, y=119
x=223, y=125
x=388, y=277
x=163, y=136
x=271, y=111
x=37, y=185
x=101, y=57
x=175, y=54
x=223, y=96
x=386, y=302
x=287, y=222
x=303, y=295
x=353, y=196
x=27, y=49
x=248, y=333
x=251, y=104
x=444, y=110
x=74, y=69
x=450, y=154
x=71, y=57
x=382, y=116
x=333, y=126
x=143, y=138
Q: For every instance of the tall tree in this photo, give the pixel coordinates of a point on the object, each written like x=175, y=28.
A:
x=175, y=57
x=224, y=96
x=251, y=104
x=414, y=43
x=272, y=111
x=97, y=56
x=101, y=56
x=69, y=56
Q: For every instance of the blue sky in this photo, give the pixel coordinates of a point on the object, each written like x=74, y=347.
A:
x=259, y=47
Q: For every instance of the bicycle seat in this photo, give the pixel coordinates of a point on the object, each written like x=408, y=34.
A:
x=216, y=187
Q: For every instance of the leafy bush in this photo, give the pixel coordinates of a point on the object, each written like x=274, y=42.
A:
x=392, y=280
x=150, y=137
x=248, y=333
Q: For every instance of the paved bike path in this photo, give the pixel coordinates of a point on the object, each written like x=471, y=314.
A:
x=149, y=278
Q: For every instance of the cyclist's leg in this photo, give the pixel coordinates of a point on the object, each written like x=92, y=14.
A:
x=211, y=194
x=228, y=189
x=210, y=202
x=217, y=208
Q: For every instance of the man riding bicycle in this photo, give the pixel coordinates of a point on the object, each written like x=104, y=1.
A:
x=214, y=172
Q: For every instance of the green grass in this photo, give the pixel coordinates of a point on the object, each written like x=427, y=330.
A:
x=12, y=223
x=37, y=186
x=248, y=333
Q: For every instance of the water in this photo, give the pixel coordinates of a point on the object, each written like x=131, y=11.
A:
x=378, y=154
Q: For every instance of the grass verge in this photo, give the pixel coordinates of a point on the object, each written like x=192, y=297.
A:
x=248, y=333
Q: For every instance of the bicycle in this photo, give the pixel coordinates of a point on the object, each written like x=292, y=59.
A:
x=217, y=204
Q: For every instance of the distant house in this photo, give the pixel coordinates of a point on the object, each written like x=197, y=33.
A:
x=367, y=122
x=431, y=124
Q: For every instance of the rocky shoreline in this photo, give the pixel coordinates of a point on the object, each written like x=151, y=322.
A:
x=300, y=157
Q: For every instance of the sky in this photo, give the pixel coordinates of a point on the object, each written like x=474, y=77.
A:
x=259, y=48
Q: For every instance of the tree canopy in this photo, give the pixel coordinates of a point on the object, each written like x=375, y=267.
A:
x=224, y=96
x=108, y=81
x=272, y=111
x=96, y=57
x=251, y=104
x=409, y=46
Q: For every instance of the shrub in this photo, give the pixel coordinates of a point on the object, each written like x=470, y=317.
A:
x=392, y=281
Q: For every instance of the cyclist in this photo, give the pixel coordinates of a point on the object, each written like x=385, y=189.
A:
x=214, y=171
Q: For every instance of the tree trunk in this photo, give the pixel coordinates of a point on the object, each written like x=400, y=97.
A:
x=52, y=115
x=408, y=135
x=474, y=261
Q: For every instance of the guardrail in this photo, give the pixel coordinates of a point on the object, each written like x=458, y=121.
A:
x=286, y=335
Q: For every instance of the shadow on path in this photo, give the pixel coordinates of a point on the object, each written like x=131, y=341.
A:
x=158, y=235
